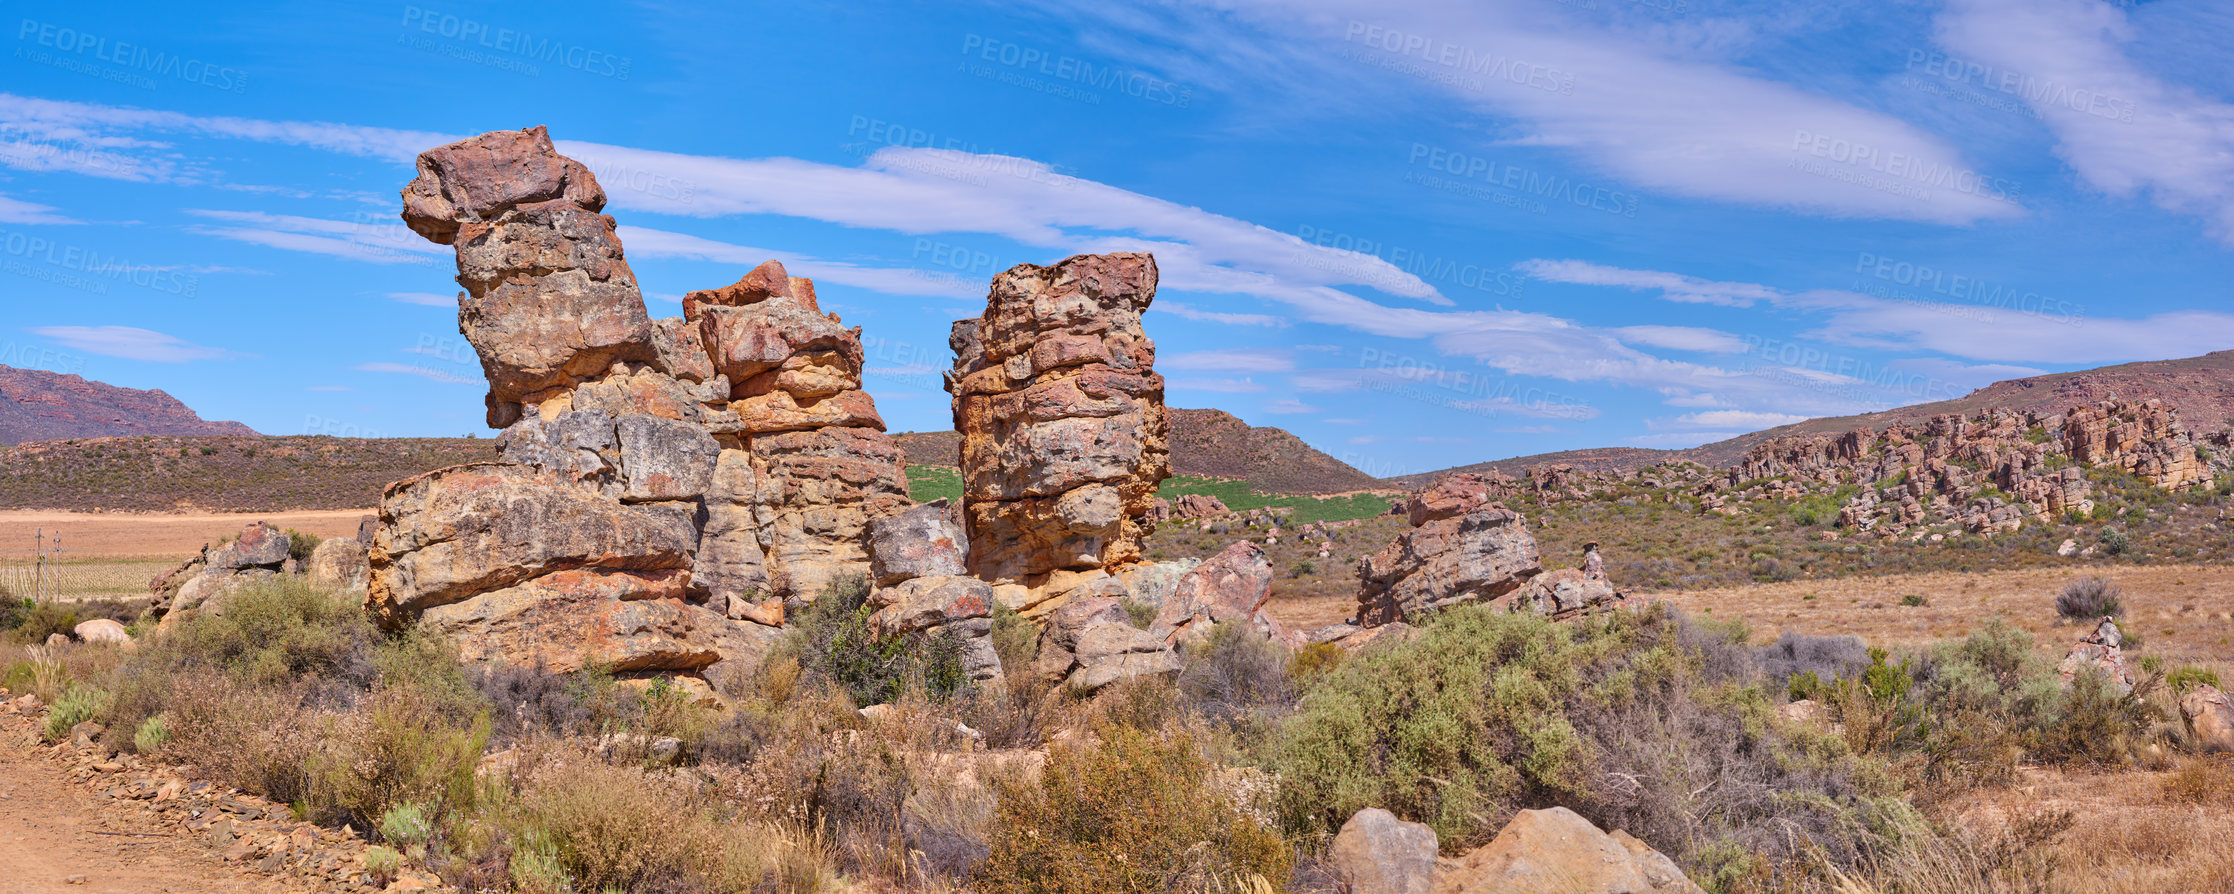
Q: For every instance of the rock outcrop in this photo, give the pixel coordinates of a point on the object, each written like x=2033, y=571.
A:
x=1462, y=548
x=665, y=486
x=1090, y=643
x=1233, y=585
x=1558, y=850
x=1061, y=413
x=2101, y=649
x=1376, y=853
x=102, y=632
x=1566, y=592
x=202, y=583
x=916, y=558
x=338, y=564
x=2209, y=715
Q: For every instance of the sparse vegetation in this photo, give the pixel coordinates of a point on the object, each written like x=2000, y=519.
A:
x=2089, y=598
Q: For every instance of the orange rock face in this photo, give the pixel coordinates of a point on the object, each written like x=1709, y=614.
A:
x=1064, y=436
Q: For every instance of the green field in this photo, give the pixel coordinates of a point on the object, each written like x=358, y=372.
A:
x=927, y=483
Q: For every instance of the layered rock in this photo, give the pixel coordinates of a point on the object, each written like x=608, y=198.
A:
x=259, y=554
x=2102, y=649
x=664, y=486
x=339, y=565
x=1090, y=643
x=2209, y=715
x=1567, y=592
x=916, y=558
x=1233, y=585
x=1064, y=436
x=1462, y=548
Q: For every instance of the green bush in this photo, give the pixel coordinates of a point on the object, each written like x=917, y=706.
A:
x=33, y=624
x=300, y=544
x=14, y=611
x=1637, y=720
x=1138, y=812
x=2089, y=598
x=835, y=643
x=150, y=736
x=2187, y=677
x=78, y=704
x=2115, y=542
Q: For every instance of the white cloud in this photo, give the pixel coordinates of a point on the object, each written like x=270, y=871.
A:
x=17, y=211
x=427, y=299
x=1682, y=338
x=1252, y=360
x=1680, y=440
x=374, y=240
x=424, y=372
x=1729, y=419
x=1672, y=286
x=2124, y=130
x=1190, y=312
x=1289, y=406
x=1220, y=385
x=130, y=343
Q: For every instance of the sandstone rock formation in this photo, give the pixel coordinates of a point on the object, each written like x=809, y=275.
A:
x=1062, y=420
x=203, y=582
x=664, y=486
x=1233, y=585
x=1462, y=548
x=1566, y=592
x=102, y=632
x=338, y=564
x=916, y=558
x=2209, y=715
x=1557, y=850
x=1090, y=643
x=2101, y=649
x=1376, y=853
x=1941, y=470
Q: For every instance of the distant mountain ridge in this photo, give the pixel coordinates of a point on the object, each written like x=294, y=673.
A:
x=1208, y=444
x=36, y=405
x=2200, y=389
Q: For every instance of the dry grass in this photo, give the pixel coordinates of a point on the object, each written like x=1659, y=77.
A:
x=171, y=537
x=2184, y=612
x=2130, y=832
x=79, y=580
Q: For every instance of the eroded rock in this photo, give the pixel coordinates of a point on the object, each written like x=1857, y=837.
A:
x=1462, y=548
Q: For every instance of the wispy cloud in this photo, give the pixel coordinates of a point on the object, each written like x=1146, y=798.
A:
x=424, y=372
x=426, y=299
x=1191, y=312
x=17, y=211
x=1253, y=360
x=1289, y=406
x=130, y=343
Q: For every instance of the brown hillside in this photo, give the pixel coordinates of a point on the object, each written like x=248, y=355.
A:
x=36, y=405
x=2200, y=389
x=245, y=474
x=1207, y=444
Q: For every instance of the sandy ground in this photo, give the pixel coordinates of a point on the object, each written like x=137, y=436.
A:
x=93, y=535
x=2183, y=612
x=60, y=838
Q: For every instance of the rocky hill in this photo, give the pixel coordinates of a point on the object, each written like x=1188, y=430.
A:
x=1208, y=444
x=36, y=405
x=250, y=473
x=2199, y=390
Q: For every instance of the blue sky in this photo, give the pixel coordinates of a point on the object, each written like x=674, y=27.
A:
x=1416, y=235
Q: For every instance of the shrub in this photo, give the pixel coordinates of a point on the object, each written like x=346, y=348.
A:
x=2089, y=598
x=2115, y=542
x=1136, y=813
x=403, y=748
x=15, y=610
x=1141, y=613
x=1015, y=639
x=77, y=705
x=381, y=863
x=1304, y=568
x=406, y=824
x=1822, y=658
x=1914, y=599
x=2187, y=677
x=151, y=735
x=835, y=643
x=45, y=618
x=1236, y=674
x=1637, y=720
x=300, y=544
x=586, y=826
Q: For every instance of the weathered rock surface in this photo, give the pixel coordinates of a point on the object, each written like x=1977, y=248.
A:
x=921, y=542
x=665, y=486
x=1233, y=585
x=102, y=631
x=957, y=605
x=2209, y=714
x=1566, y=592
x=2102, y=649
x=1462, y=548
x=201, y=583
x=1064, y=436
x=1557, y=850
x=1090, y=643
x=1376, y=853
x=338, y=564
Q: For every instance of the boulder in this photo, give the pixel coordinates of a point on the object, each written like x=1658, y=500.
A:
x=1566, y=592
x=920, y=542
x=259, y=546
x=2102, y=649
x=455, y=533
x=1558, y=850
x=1090, y=643
x=1064, y=436
x=102, y=631
x=1233, y=585
x=1461, y=548
x=568, y=620
x=338, y=564
x=1376, y=853
x=2209, y=714
x=957, y=605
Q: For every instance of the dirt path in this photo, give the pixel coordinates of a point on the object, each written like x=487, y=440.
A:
x=57, y=837
x=100, y=534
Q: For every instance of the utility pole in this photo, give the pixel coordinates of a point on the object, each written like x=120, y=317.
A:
x=39, y=566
